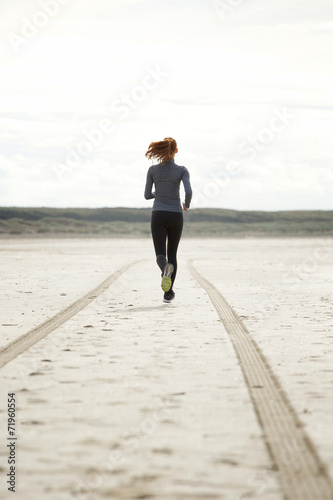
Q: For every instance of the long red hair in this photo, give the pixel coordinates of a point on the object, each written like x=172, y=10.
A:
x=162, y=150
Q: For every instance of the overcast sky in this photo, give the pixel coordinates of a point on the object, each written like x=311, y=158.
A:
x=245, y=87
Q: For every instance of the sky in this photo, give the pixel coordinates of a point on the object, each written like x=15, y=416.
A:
x=244, y=86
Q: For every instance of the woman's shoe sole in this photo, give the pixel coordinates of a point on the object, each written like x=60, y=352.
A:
x=166, y=280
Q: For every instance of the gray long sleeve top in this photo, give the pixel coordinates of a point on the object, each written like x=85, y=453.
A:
x=166, y=177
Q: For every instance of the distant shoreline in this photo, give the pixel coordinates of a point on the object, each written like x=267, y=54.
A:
x=120, y=222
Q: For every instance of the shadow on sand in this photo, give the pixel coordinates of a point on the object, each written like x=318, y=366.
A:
x=143, y=309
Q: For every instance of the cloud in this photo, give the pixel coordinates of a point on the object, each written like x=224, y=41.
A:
x=225, y=79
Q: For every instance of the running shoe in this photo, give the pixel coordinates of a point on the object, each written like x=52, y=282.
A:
x=169, y=296
x=166, y=278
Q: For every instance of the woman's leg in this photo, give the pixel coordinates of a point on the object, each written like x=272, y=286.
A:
x=159, y=233
x=175, y=228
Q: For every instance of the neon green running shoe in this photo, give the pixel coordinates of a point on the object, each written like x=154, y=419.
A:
x=166, y=278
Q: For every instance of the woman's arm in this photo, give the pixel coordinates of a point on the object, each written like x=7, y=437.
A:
x=188, y=189
x=149, y=184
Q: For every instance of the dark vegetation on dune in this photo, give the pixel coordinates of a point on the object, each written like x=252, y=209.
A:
x=204, y=222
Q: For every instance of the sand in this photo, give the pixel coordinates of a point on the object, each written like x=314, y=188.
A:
x=133, y=398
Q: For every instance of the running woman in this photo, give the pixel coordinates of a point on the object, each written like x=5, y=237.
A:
x=167, y=213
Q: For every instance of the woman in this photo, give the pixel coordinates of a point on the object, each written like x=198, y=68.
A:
x=167, y=214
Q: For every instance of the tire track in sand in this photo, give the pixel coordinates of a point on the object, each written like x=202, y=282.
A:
x=22, y=343
x=302, y=474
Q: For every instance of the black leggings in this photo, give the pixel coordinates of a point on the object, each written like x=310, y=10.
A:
x=166, y=226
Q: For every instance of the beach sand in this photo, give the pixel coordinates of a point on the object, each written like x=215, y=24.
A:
x=131, y=398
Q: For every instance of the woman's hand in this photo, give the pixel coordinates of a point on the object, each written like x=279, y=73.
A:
x=185, y=208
